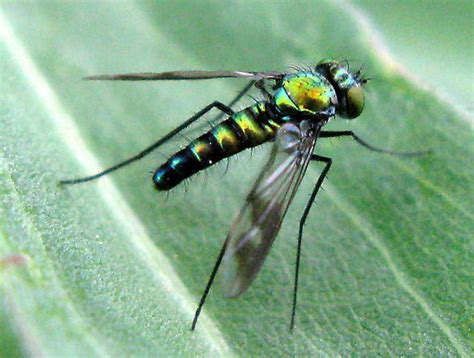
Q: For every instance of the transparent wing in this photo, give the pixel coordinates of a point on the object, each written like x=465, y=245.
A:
x=257, y=224
x=185, y=75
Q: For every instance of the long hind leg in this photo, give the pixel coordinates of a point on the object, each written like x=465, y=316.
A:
x=208, y=286
x=225, y=109
x=319, y=182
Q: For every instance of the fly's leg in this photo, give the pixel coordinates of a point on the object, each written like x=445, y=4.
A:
x=242, y=93
x=236, y=99
x=225, y=109
x=335, y=134
x=260, y=84
x=328, y=162
x=208, y=286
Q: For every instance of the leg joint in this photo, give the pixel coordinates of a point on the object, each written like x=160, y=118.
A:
x=224, y=108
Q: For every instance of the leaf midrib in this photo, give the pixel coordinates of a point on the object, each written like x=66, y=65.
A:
x=136, y=232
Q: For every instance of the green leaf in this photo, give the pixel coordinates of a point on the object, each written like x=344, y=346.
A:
x=113, y=268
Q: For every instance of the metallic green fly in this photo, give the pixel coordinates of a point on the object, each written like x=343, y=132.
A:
x=292, y=113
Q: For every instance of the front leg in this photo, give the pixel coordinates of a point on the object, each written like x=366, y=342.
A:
x=335, y=134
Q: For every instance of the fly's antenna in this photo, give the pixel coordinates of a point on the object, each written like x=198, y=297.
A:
x=359, y=74
x=365, y=80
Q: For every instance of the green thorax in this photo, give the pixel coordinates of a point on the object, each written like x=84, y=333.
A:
x=305, y=94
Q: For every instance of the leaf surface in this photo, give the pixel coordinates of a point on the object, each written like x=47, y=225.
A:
x=114, y=268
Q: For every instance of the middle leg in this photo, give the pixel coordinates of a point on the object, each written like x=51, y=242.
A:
x=322, y=176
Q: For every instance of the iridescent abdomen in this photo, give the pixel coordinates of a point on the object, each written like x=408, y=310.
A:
x=245, y=129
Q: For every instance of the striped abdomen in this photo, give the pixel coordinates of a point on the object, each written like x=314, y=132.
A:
x=245, y=129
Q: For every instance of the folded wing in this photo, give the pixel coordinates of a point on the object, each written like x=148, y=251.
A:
x=258, y=222
x=185, y=75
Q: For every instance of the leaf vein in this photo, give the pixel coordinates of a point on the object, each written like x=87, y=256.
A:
x=400, y=277
x=155, y=259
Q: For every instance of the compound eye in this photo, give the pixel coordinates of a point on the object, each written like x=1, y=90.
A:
x=355, y=102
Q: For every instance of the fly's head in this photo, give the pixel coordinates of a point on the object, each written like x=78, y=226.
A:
x=348, y=86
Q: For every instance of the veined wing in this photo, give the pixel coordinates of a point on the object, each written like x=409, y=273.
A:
x=257, y=224
x=185, y=75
